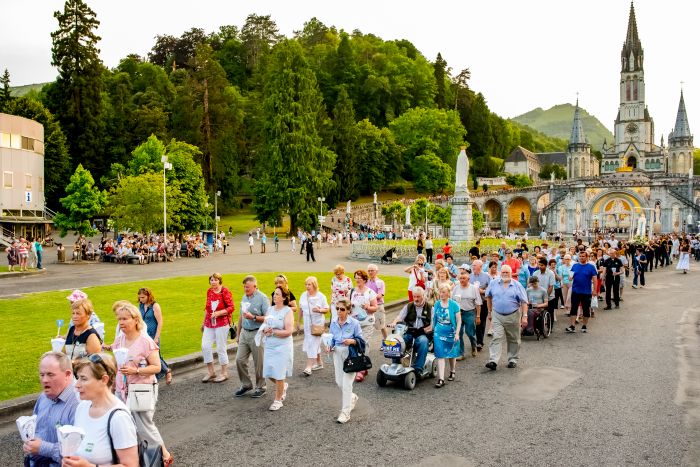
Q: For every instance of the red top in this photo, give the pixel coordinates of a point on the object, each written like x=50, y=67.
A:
x=447, y=249
x=514, y=266
x=225, y=302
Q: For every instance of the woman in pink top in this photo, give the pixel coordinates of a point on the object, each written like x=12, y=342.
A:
x=141, y=367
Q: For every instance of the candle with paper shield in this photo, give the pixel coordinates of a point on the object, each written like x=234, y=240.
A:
x=327, y=341
x=122, y=356
x=100, y=328
x=57, y=344
x=27, y=427
x=69, y=438
x=59, y=324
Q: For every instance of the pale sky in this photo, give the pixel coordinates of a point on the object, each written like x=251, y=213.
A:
x=521, y=55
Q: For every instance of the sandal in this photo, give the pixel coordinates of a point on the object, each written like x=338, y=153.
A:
x=169, y=376
x=440, y=383
x=451, y=377
x=307, y=372
x=208, y=378
x=169, y=461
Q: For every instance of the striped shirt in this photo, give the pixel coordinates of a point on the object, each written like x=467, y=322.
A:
x=51, y=414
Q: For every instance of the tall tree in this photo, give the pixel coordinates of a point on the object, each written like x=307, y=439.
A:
x=347, y=174
x=76, y=97
x=440, y=73
x=295, y=167
x=5, y=91
x=259, y=34
x=56, y=159
x=83, y=201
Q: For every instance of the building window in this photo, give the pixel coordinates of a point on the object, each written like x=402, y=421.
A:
x=628, y=90
x=28, y=181
x=7, y=179
x=5, y=140
x=15, y=141
x=27, y=143
x=635, y=85
x=40, y=182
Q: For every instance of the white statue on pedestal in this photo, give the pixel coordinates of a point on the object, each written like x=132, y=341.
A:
x=408, y=215
x=462, y=173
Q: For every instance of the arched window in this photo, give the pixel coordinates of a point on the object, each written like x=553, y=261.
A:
x=635, y=85
x=628, y=90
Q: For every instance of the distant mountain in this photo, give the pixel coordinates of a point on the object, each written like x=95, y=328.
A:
x=557, y=122
x=18, y=91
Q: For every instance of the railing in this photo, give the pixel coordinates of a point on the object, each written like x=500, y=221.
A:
x=677, y=192
x=374, y=250
x=5, y=236
x=49, y=213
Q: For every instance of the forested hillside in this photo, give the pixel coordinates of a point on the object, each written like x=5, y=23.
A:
x=324, y=113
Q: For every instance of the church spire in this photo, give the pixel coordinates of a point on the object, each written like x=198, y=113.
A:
x=632, y=52
x=578, y=137
x=682, y=128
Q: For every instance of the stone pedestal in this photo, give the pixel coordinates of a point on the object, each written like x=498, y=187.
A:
x=461, y=225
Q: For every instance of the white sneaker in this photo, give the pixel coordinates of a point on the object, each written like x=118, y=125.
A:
x=353, y=401
x=490, y=333
x=284, y=393
x=344, y=417
x=276, y=405
x=316, y=367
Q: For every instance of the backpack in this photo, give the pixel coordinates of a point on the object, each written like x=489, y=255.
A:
x=149, y=456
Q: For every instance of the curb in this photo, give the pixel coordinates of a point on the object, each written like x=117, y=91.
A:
x=26, y=403
x=34, y=272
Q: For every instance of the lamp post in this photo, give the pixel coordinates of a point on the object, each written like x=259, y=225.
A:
x=166, y=166
x=216, y=215
x=320, y=212
x=427, y=205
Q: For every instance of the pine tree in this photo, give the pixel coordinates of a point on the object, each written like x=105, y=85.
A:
x=295, y=167
x=346, y=174
x=439, y=71
x=76, y=97
x=5, y=91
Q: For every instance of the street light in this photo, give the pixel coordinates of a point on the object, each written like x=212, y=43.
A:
x=216, y=215
x=166, y=166
x=320, y=212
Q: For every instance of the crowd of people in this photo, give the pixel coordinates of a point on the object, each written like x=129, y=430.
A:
x=450, y=308
x=24, y=254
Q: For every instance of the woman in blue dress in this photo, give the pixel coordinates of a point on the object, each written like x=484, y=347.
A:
x=446, y=321
x=279, y=348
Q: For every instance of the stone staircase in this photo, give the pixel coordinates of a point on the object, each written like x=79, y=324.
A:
x=681, y=194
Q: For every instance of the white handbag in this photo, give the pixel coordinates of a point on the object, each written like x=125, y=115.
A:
x=141, y=397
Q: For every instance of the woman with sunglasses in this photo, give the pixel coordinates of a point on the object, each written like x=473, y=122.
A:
x=143, y=363
x=279, y=349
x=345, y=331
x=95, y=377
x=416, y=275
x=153, y=318
x=282, y=282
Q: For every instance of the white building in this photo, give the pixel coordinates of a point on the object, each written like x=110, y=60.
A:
x=22, y=210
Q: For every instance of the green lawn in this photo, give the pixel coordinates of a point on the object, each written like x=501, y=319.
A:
x=244, y=221
x=29, y=322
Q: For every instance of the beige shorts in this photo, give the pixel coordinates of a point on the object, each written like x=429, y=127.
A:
x=379, y=318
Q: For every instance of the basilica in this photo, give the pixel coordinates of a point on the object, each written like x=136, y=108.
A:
x=638, y=187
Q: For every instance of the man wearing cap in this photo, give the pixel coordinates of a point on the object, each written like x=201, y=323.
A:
x=507, y=303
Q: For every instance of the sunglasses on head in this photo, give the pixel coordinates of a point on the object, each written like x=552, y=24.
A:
x=96, y=359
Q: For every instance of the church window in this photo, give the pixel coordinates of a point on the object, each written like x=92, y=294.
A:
x=635, y=85
x=628, y=90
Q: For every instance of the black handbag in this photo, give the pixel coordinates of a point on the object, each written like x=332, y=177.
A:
x=232, y=331
x=359, y=362
x=149, y=456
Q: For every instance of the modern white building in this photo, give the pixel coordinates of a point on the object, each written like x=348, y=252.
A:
x=22, y=210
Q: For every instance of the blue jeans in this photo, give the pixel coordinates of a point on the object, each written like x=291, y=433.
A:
x=39, y=255
x=468, y=328
x=421, y=347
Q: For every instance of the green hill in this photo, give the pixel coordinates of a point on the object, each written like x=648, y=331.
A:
x=19, y=91
x=557, y=122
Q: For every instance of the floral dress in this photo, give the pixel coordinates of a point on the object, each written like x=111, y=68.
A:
x=340, y=288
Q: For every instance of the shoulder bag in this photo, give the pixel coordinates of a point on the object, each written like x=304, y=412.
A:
x=358, y=362
x=141, y=397
x=149, y=456
x=233, y=330
x=316, y=329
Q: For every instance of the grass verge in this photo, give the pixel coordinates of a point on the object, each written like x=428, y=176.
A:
x=29, y=322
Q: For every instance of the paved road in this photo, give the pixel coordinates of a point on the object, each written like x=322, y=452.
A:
x=627, y=393
x=238, y=259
